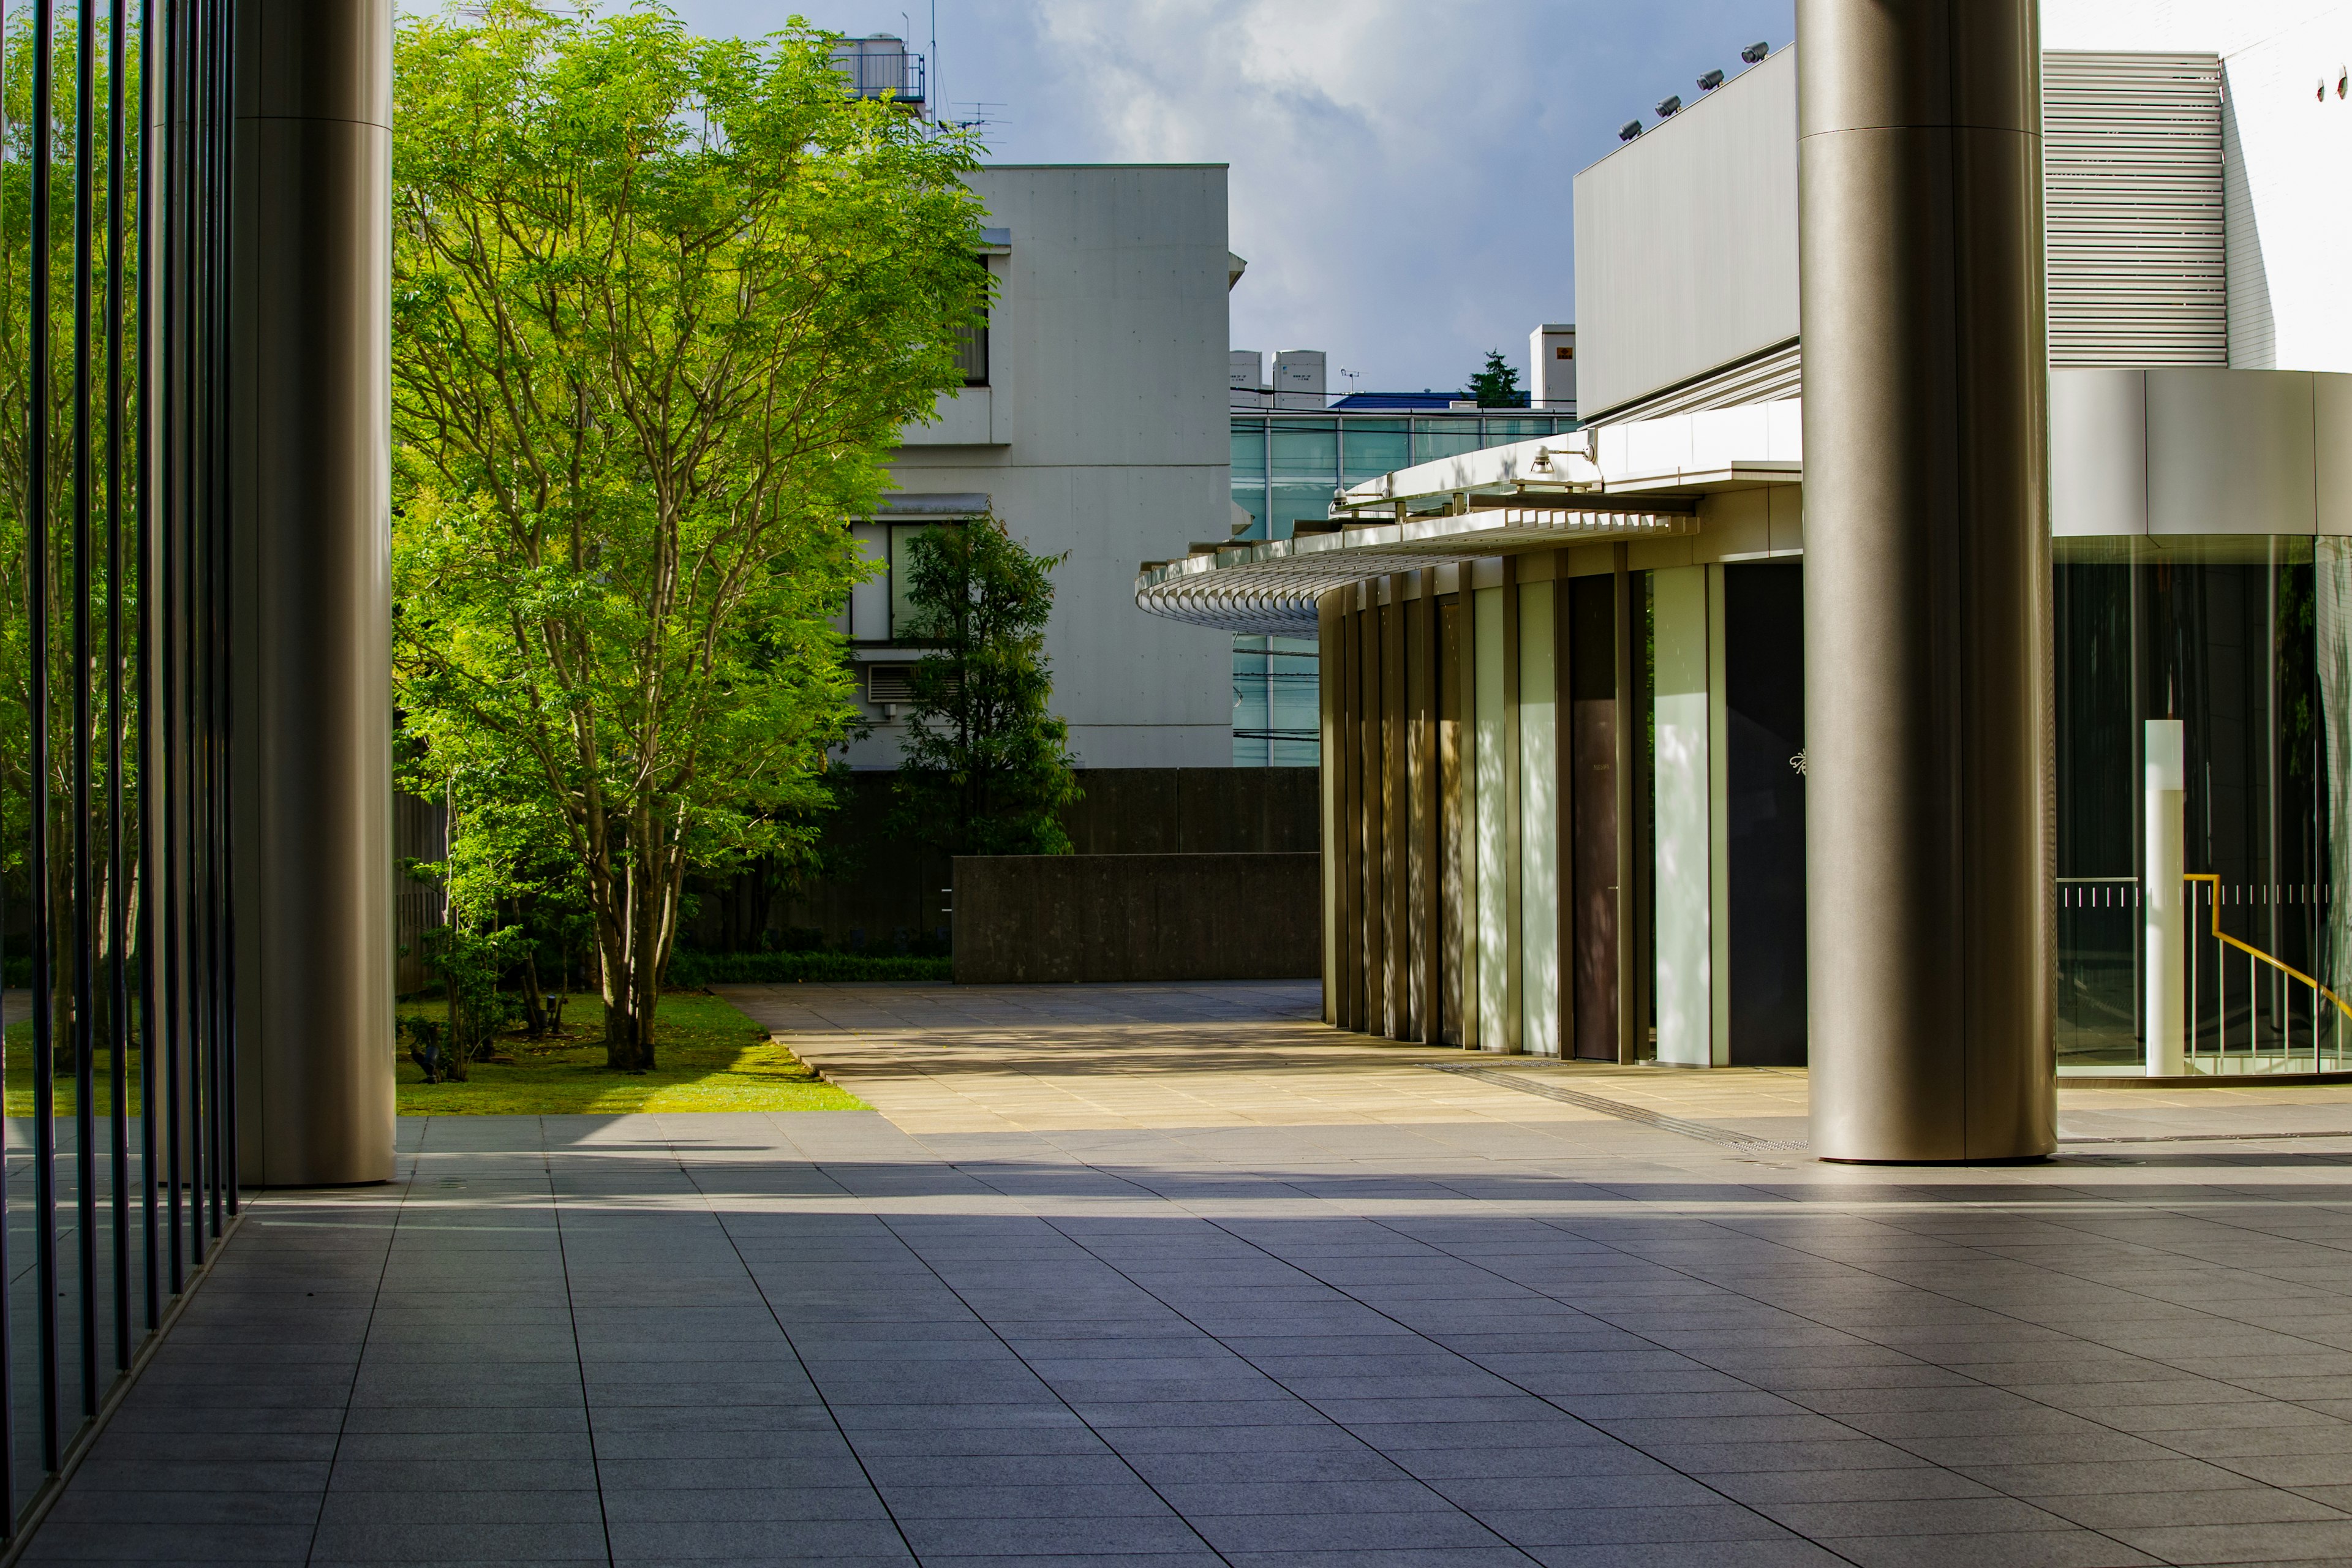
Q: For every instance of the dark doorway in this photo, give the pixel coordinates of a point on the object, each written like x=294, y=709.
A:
x=1592, y=811
x=1764, y=697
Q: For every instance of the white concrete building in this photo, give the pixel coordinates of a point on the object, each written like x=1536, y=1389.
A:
x=1096, y=426
x=1508, y=865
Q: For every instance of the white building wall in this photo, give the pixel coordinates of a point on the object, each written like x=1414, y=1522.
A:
x=2286, y=146
x=1104, y=438
x=1686, y=242
x=1682, y=887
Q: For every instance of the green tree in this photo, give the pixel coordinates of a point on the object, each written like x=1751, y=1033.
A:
x=1497, y=385
x=661, y=305
x=986, y=766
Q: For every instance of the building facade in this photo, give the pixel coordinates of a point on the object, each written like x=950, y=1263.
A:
x=1564, y=681
x=1093, y=426
x=1294, y=447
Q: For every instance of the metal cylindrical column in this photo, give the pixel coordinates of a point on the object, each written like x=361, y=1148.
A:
x=1929, y=808
x=310, y=319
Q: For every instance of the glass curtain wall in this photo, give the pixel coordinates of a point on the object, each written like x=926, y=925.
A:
x=120, y=1169
x=2243, y=638
x=1284, y=471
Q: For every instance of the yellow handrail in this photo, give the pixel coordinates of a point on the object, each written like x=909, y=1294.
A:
x=2223, y=936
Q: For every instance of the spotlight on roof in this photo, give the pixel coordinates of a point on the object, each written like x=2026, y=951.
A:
x=1667, y=106
x=1627, y=132
x=1755, y=52
x=1711, y=81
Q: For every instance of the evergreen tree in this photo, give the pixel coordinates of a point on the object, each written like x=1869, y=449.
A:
x=987, y=767
x=1497, y=386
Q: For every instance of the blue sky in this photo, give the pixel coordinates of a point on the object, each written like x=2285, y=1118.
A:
x=1400, y=168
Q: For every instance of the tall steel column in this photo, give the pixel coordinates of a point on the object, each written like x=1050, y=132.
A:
x=1927, y=674
x=310, y=319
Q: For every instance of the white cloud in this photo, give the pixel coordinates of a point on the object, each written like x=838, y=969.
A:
x=1400, y=168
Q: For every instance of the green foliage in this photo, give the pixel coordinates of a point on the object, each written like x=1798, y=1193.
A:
x=661, y=306
x=1497, y=384
x=690, y=969
x=713, y=1059
x=53, y=254
x=986, y=766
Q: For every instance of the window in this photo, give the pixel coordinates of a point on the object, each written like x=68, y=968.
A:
x=1374, y=447
x=972, y=352
x=1249, y=473
x=1306, y=472
x=905, y=624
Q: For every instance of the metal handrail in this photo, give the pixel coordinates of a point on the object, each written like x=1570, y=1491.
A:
x=2222, y=936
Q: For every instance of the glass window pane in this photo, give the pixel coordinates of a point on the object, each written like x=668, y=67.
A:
x=1249, y=473
x=1375, y=447
x=1250, y=705
x=902, y=608
x=1294, y=716
x=1436, y=438
x=1503, y=432
x=1306, y=472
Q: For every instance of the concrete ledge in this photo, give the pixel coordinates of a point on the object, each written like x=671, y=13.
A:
x=1110, y=918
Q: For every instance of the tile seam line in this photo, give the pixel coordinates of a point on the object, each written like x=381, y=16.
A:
x=2220, y=1463
x=1824, y=1544
x=571, y=1316
x=52, y=1488
x=752, y=1276
x=1746, y=1508
x=1712, y=1285
x=1245, y=1359
x=376, y=1300
x=1145, y=1481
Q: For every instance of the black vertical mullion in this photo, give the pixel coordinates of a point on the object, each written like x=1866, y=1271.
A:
x=207, y=412
x=37, y=557
x=224, y=1096
x=171, y=683
x=150, y=790
x=85, y=989
x=118, y=922
x=216, y=653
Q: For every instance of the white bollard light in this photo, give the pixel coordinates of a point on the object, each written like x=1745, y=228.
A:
x=2165, y=904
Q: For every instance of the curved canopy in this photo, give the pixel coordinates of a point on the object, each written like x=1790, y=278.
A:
x=1271, y=588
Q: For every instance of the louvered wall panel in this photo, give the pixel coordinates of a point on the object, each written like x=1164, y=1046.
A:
x=2132, y=178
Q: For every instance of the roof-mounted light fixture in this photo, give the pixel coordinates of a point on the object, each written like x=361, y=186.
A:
x=1711, y=81
x=1627, y=132
x=1754, y=53
x=1669, y=106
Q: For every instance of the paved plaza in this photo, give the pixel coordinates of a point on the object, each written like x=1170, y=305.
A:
x=1170, y=1276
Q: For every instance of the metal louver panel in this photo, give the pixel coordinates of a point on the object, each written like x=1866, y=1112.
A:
x=2132, y=178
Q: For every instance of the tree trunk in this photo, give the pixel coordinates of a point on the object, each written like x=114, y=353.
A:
x=629, y=988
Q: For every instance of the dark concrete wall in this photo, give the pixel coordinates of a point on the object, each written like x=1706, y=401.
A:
x=884, y=892
x=1108, y=918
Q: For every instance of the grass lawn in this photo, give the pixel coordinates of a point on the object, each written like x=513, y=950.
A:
x=20, y=1077
x=709, y=1057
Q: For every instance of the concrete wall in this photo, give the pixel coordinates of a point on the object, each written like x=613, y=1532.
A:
x=1105, y=918
x=1686, y=238
x=1105, y=437
x=885, y=890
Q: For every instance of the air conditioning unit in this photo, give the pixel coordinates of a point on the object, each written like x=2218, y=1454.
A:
x=890, y=683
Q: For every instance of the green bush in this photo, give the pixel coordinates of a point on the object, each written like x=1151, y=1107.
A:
x=692, y=971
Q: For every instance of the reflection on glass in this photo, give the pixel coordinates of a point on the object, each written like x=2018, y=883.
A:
x=1306, y=469
x=1373, y=447
x=2243, y=639
x=1249, y=475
